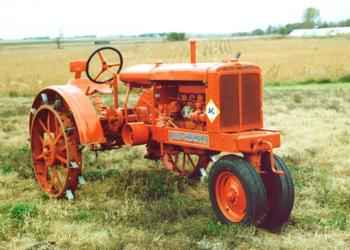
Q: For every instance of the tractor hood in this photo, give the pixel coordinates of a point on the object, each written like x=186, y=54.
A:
x=146, y=73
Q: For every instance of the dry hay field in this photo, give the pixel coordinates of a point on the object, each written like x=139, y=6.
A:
x=132, y=203
x=26, y=69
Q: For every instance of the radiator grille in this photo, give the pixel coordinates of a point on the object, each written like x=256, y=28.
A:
x=229, y=99
x=236, y=90
x=251, y=100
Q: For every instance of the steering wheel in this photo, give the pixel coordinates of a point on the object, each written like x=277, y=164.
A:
x=107, y=70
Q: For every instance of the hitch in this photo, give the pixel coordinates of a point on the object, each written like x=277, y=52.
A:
x=265, y=146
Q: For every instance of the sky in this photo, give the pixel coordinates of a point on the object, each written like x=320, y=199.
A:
x=28, y=18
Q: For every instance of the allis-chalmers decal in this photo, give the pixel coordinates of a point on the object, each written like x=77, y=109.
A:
x=212, y=111
x=188, y=137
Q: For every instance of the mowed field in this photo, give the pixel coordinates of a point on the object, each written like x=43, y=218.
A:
x=132, y=203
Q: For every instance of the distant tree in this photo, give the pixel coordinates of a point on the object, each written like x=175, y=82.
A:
x=241, y=34
x=37, y=38
x=85, y=37
x=284, y=30
x=148, y=35
x=345, y=23
x=258, y=32
x=270, y=30
x=176, y=36
x=311, y=17
x=58, y=43
x=324, y=25
x=290, y=27
x=102, y=42
x=59, y=40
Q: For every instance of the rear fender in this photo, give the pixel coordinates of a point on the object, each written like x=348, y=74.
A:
x=85, y=116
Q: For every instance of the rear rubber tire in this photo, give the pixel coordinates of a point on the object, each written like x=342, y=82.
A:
x=280, y=194
x=254, y=190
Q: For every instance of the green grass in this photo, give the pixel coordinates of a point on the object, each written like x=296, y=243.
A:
x=16, y=159
x=345, y=78
x=132, y=203
x=318, y=82
x=21, y=211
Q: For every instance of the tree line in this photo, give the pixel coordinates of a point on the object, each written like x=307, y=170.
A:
x=311, y=19
x=171, y=36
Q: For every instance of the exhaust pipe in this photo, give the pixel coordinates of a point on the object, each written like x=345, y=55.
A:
x=193, y=48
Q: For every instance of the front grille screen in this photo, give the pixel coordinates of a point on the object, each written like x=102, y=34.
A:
x=229, y=101
x=251, y=99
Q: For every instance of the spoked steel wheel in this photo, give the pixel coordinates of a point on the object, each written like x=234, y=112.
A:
x=55, y=154
x=185, y=163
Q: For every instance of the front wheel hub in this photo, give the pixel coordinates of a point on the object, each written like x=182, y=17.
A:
x=231, y=197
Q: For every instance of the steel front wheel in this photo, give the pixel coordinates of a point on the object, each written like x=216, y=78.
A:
x=236, y=191
x=280, y=193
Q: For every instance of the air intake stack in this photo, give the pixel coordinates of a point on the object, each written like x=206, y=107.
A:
x=193, y=48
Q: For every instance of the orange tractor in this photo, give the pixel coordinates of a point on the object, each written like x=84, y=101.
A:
x=188, y=115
